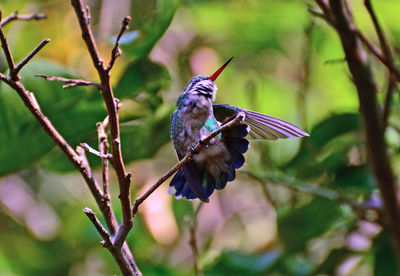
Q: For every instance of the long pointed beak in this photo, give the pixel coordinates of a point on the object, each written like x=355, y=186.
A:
x=216, y=74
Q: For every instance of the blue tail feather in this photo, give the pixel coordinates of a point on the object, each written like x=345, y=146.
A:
x=238, y=145
x=231, y=174
x=191, y=183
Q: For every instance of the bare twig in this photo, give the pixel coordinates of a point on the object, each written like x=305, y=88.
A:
x=389, y=58
x=193, y=240
x=7, y=52
x=72, y=82
x=382, y=40
x=235, y=121
x=103, y=148
x=388, y=99
x=124, y=178
x=120, y=258
x=100, y=228
x=30, y=56
x=95, y=152
x=16, y=16
x=367, y=91
x=122, y=255
x=116, y=51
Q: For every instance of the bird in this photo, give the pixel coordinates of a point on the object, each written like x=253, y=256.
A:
x=195, y=117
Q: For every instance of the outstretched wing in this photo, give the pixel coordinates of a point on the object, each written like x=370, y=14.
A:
x=262, y=127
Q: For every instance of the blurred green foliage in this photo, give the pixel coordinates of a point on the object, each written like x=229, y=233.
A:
x=314, y=187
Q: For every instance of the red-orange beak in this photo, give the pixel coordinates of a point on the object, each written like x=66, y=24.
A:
x=216, y=74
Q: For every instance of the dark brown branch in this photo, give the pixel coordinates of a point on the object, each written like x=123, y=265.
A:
x=120, y=258
x=366, y=87
x=100, y=228
x=95, y=152
x=7, y=52
x=124, y=178
x=30, y=56
x=16, y=16
x=388, y=100
x=235, y=121
x=122, y=255
x=72, y=82
x=116, y=51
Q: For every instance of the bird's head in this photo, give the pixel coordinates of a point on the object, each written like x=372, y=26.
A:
x=204, y=85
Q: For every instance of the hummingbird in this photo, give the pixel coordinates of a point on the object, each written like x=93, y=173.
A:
x=215, y=164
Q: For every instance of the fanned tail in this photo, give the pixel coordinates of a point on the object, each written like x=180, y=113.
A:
x=191, y=184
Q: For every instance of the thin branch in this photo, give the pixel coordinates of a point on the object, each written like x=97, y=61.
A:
x=367, y=90
x=123, y=256
x=100, y=228
x=124, y=178
x=120, y=258
x=30, y=56
x=388, y=100
x=235, y=121
x=103, y=148
x=382, y=40
x=116, y=51
x=7, y=52
x=16, y=16
x=72, y=82
x=193, y=240
x=95, y=152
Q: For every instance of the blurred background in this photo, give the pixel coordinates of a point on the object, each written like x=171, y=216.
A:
x=298, y=207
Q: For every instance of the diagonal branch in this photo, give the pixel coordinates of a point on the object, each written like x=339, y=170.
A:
x=16, y=16
x=72, y=82
x=30, y=56
x=116, y=51
x=237, y=120
x=6, y=50
x=123, y=256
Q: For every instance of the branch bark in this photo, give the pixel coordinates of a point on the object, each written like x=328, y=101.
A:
x=342, y=20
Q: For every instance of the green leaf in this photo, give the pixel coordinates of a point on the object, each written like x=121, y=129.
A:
x=234, y=263
x=385, y=256
x=300, y=225
x=143, y=75
x=151, y=19
x=355, y=180
x=143, y=139
x=73, y=112
x=327, y=147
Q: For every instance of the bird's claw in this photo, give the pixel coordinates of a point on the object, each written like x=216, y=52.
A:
x=193, y=151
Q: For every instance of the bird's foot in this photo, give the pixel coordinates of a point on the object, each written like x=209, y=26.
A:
x=193, y=151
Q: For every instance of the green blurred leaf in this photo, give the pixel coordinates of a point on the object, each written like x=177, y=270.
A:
x=143, y=139
x=355, y=180
x=327, y=147
x=385, y=256
x=234, y=263
x=151, y=19
x=143, y=75
x=300, y=225
x=74, y=113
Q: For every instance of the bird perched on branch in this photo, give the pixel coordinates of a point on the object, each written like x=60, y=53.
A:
x=215, y=164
